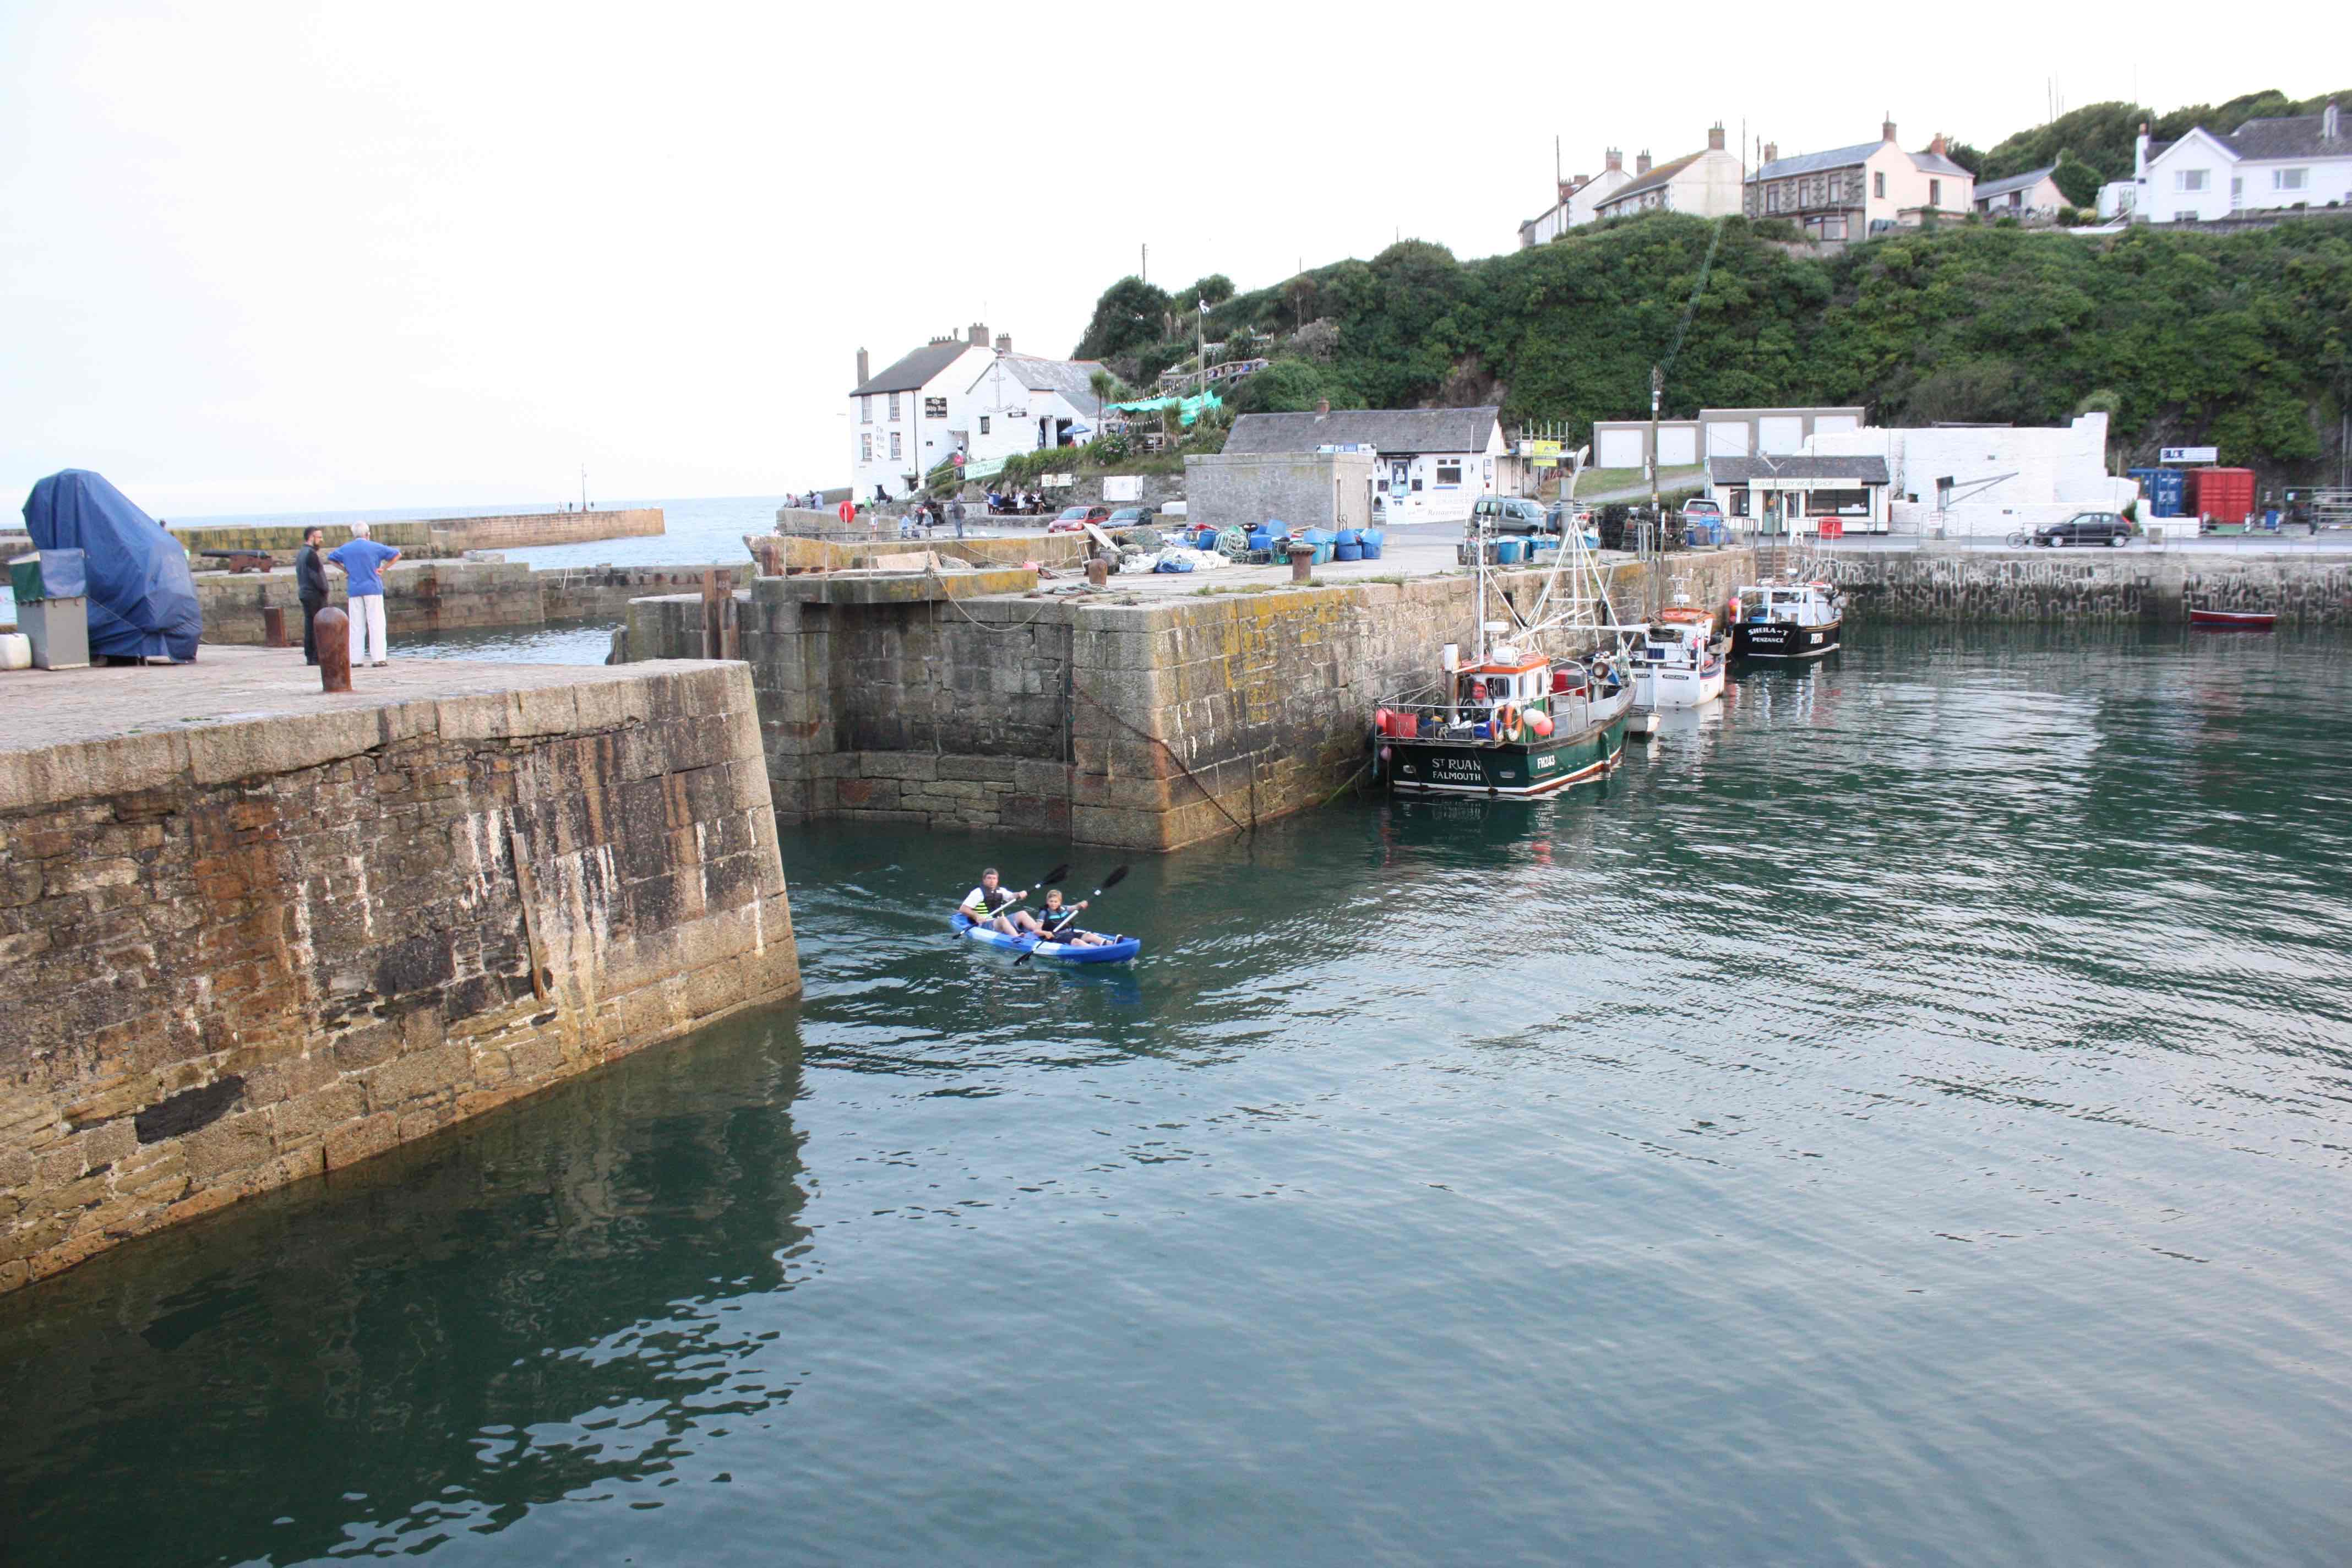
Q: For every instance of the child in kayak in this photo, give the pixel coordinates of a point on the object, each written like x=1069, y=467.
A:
x=1059, y=914
x=990, y=905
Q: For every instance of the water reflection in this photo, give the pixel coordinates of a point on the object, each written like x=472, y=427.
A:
x=533, y=1309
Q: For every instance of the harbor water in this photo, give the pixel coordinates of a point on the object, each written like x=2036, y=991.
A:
x=1904, y=1117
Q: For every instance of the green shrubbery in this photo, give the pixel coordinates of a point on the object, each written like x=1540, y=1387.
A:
x=2243, y=340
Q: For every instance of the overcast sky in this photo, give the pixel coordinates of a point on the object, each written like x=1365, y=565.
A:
x=262, y=258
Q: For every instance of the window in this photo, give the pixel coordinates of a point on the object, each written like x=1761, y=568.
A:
x=1935, y=193
x=2189, y=179
x=1838, y=504
x=2237, y=192
x=866, y=448
x=1878, y=183
x=894, y=408
x=894, y=445
x=2290, y=179
x=935, y=408
x=866, y=410
x=2184, y=218
x=1773, y=198
x=1449, y=473
x=983, y=424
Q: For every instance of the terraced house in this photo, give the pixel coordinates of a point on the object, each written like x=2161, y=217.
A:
x=1853, y=192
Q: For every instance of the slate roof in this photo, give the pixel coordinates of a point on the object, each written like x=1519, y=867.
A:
x=915, y=370
x=1658, y=175
x=2024, y=181
x=1386, y=429
x=2282, y=136
x=1069, y=377
x=2287, y=136
x=1846, y=157
x=1812, y=163
x=1740, y=470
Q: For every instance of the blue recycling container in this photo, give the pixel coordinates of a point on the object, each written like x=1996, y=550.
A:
x=1260, y=539
x=1348, y=550
x=1507, y=552
x=1373, y=539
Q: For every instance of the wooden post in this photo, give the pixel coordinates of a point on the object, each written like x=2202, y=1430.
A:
x=713, y=625
x=273, y=626
x=333, y=631
x=527, y=888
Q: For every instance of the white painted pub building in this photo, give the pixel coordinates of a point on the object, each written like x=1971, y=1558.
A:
x=961, y=394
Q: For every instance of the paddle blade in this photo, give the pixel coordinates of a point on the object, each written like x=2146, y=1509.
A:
x=1053, y=876
x=1117, y=875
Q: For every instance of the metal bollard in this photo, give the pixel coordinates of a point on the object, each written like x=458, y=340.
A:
x=1302, y=561
x=273, y=626
x=334, y=629
x=1098, y=570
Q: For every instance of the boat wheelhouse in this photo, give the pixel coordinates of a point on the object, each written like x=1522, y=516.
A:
x=1788, y=620
x=1515, y=718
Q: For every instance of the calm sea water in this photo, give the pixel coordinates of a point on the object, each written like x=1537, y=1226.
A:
x=1904, y=1119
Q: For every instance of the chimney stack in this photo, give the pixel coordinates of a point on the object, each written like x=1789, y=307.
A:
x=1616, y=160
x=1715, y=137
x=1642, y=162
x=1567, y=189
x=1886, y=129
x=1004, y=342
x=863, y=376
x=2331, y=125
x=979, y=339
x=1936, y=146
x=1771, y=152
x=1322, y=406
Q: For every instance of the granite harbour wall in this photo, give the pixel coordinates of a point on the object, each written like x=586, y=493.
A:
x=2306, y=589
x=445, y=596
x=244, y=952
x=1148, y=723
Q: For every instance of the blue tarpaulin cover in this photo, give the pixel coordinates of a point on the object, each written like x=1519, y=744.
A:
x=142, y=603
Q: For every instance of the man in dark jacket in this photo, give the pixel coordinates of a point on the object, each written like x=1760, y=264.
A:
x=311, y=582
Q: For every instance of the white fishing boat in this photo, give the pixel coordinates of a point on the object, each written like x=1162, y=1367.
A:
x=1678, y=660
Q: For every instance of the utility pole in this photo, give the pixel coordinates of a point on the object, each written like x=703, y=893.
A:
x=1656, y=540
x=1147, y=263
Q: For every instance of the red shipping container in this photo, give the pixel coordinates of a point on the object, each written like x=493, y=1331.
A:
x=2221, y=495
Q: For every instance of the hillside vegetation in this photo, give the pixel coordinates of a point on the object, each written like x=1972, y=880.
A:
x=2241, y=341
x=2102, y=134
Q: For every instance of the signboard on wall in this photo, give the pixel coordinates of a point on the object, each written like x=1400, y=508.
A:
x=2188, y=454
x=1123, y=487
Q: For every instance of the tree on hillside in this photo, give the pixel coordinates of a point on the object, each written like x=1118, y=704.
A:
x=2076, y=181
x=1128, y=316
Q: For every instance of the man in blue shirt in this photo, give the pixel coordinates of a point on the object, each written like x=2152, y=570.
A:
x=363, y=561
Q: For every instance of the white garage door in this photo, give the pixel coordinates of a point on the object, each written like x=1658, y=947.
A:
x=1727, y=438
x=1833, y=424
x=1778, y=433
x=1677, y=446
x=1621, y=449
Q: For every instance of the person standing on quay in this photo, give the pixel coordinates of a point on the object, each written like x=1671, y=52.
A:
x=955, y=514
x=311, y=582
x=364, y=561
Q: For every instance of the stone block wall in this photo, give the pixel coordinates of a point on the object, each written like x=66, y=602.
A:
x=243, y=953
x=281, y=540
x=2306, y=589
x=457, y=534
x=1246, y=490
x=1148, y=725
x=447, y=596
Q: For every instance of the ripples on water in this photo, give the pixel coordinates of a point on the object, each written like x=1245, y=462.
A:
x=1903, y=1119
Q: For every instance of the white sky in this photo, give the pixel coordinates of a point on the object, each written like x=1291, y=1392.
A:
x=278, y=257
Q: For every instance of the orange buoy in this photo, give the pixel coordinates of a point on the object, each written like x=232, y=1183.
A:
x=1541, y=724
x=1382, y=719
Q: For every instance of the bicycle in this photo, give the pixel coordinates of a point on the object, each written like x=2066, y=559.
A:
x=2019, y=539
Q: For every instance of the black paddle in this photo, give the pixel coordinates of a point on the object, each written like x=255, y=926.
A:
x=1117, y=875
x=1047, y=880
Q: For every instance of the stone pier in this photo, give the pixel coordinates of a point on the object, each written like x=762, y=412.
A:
x=2306, y=588
x=1148, y=720
x=252, y=933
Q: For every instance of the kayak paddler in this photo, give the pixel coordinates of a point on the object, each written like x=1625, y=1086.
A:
x=990, y=905
x=1058, y=919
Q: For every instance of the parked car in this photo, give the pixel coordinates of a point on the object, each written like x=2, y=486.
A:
x=1134, y=517
x=2085, y=528
x=1509, y=514
x=1698, y=509
x=1074, y=517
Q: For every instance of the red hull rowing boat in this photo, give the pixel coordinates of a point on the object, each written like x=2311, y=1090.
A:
x=2231, y=620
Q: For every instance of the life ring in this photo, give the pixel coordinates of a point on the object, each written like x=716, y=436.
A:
x=1507, y=722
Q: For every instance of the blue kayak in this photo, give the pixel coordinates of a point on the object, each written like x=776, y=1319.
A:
x=1118, y=950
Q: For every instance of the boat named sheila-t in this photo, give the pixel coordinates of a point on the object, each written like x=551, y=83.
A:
x=1789, y=619
x=1515, y=720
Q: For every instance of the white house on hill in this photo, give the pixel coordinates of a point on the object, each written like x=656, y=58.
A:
x=959, y=394
x=2288, y=160
x=2033, y=193
x=1705, y=183
x=1577, y=199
